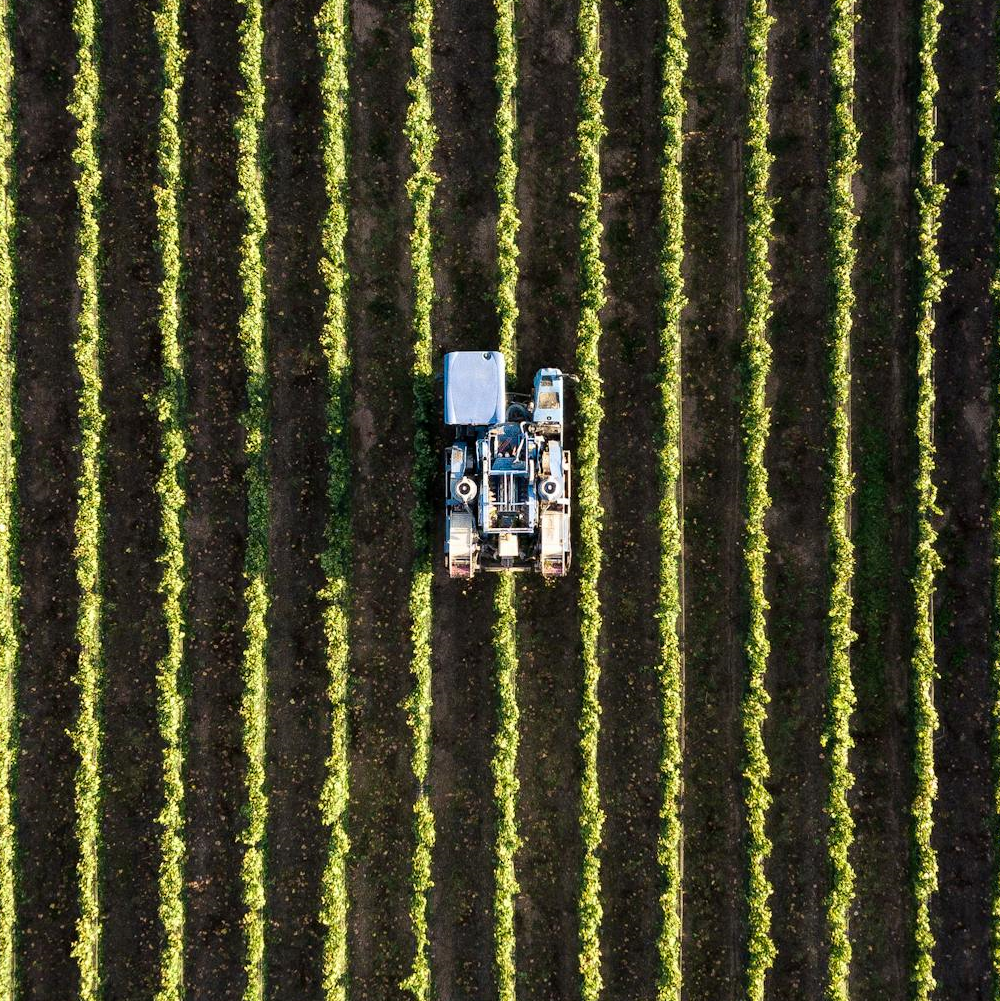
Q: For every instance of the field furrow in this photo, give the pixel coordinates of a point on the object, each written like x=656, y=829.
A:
x=881, y=350
x=803, y=397
x=380, y=945
x=549, y=676
x=713, y=599
x=215, y=524
x=332, y=28
x=86, y=734
x=464, y=97
x=172, y=495
x=47, y=701
x=631, y=368
x=133, y=624
x=9, y=516
x=961, y=912
x=299, y=673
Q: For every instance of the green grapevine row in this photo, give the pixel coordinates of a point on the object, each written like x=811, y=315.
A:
x=250, y=196
x=422, y=138
x=332, y=28
x=172, y=711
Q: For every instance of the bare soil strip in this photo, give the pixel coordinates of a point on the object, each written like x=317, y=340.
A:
x=133, y=632
x=380, y=819
x=298, y=724
x=464, y=715
x=44, y=55
x=962, y=832
x=548, y=632
x=631, y=739
x=712, y=949
x=216, y=518
x=798, y=571
x=881, y=354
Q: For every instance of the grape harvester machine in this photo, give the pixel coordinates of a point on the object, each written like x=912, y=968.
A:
x=507, y=476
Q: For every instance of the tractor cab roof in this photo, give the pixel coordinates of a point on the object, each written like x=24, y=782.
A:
x=475, y=388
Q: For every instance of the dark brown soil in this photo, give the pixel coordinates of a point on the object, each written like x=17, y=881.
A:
x=630, y=696
x=382, y=785
x=881, y=360
x=464, y=716
x=298, y=722
x=549, y=692
x=133, y=633
x=712, y=949
x=45, y=58
x=216, y=513
x=965, y=326
x=798, y=572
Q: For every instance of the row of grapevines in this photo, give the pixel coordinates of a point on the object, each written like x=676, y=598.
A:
x=590, y=131
x=508, y=220
x=929, y=195
x=250, y=195
x=172, y=711
x=755, y=419
x=86, y=732
x=9, y=638
x=504, y=764
x=837, y=737
x=332, y=30
x=507, y=738
x=670, y=666
x=420, y=186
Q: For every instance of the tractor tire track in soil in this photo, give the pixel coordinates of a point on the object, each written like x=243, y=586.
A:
x=798, y=569
x=464, y=714
x=631, y=737
x=549, y=675
x=133, y=630
x=967, y=69
x=44, y=53
x=881, y=397
x=216, y=513
x=714, y=877
x=380, y=946
x=298, y=707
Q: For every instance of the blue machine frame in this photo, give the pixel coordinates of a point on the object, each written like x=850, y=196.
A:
x=507, y=476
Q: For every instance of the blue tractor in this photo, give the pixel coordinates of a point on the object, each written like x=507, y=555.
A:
x=507, y=476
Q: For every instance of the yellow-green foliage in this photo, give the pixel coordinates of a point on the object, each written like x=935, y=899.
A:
x=172, y=711
x=590, y=131
x=250, y=195
x=837, y=738
x=86, y=733
x=929, y=196
x=670, y=666
x=420, y=186
x=506, y=785
x=508, y=220
x=755, y=419
x=9, y=594
x=332, y=27
x=505, y=597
